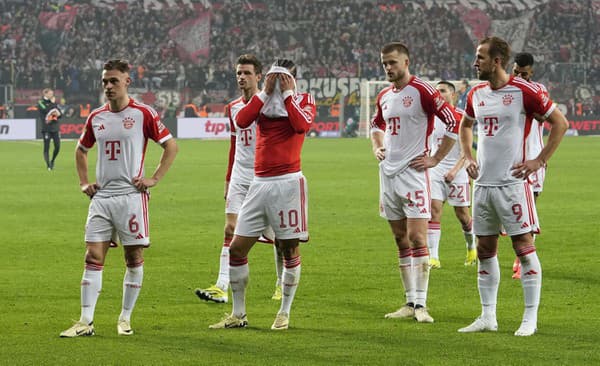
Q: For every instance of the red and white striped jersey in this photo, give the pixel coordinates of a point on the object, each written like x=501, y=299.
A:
x=242, y=147
x=122, y=137
x=535, y=139
x=279, y=140
x=406, y=117
x=439, y=130
x=504, y=117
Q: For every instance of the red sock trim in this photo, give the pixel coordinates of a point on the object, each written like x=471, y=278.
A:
x=420, y=252
x=236, y=262
x=523, y=251
x=135, y=265
x=434, y=225
x=291, y=262
x=487, y=255
x=403, y=253
x=93, y=267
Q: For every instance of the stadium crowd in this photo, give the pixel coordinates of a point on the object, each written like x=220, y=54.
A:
x=326, y=41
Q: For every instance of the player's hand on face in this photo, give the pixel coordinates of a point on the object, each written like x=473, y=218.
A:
x=270, y=83
x=89, y=189
x=287, y=82
x=142, y=183
x=472, y=168
x=380, y=153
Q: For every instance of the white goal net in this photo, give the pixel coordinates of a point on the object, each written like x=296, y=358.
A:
x=368, y=97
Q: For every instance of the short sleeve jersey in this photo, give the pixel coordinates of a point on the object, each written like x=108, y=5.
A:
x=504, y=116
x=406, y=117
x=245, y=145
x=535, y=140
x=439, y=130
x=122, y=137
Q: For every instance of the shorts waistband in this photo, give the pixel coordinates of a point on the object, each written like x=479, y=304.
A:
x=294, y=175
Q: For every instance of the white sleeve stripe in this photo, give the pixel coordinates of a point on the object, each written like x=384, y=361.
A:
x=301, y=111
x=425, y=85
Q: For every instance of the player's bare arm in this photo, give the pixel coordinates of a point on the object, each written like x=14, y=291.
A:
x=465, y=137
x=166, y=160
x=559, y=126
x=81, y=162
x=378, y=148
x=424, y=161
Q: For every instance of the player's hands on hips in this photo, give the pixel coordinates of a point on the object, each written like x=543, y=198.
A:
x=523, y=170
x=449, y=177
x=142, y=183
x=380, y=153
x=89, y=189
x=472, y=168
x=420, y=163
x=286, y=82
x=270, y=81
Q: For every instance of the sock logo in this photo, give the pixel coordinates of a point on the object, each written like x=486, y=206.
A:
x=531, y=272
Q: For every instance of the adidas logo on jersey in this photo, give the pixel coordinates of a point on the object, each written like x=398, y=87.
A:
x=481, y=104
x=139, y=236
x=297, y=230
x=101, y=128
x=524, y=225
x=423, y=210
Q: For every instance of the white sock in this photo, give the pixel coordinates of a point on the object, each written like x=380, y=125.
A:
x=420, y=264
x=278, y=265
x=488, y=280
x=531, y=280
x=239, y=273
x=406, y=274
x=469, y=237
x=223, y=279
x=291, y=277
x=91, y=285
x=132, y=284
x=434, y=232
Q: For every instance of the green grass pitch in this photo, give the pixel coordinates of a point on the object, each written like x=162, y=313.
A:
x=349, y=275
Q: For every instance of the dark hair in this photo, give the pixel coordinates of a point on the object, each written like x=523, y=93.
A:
x=117, y=64
x=395, y=46
x=249, y=59
x=498, y=48
x=288, y=64
x=524, y=59
x=450, y=85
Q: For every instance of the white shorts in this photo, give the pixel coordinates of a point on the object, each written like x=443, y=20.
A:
x=126, y=215
x=536, y=180
x=236, y=193
x=511, y=207
x=457, y=194
x=280, y=202
x=404, y=195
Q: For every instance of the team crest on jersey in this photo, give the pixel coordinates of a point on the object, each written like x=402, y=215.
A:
x=507, y=99
x=128, y=122
x=407, y=101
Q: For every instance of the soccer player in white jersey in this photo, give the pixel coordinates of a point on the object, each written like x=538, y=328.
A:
x=523, y=67
x=449, y=182
x=400, y=135
x=502, y=195
x=240, y=172
x=119, y=197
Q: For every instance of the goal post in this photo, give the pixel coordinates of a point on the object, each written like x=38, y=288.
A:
x=369, y=89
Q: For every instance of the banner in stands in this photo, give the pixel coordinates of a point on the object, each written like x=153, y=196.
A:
x=203, y=128
x=17, y=129
x=192, y=38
